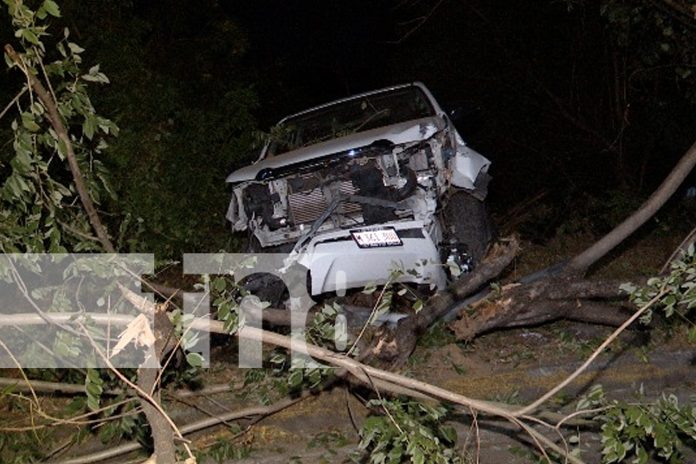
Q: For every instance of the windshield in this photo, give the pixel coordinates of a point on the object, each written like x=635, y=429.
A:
x=349, y=117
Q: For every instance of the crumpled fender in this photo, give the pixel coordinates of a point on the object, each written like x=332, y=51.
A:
x=467, y=165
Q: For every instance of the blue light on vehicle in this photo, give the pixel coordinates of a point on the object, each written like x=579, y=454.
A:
x=264, y=174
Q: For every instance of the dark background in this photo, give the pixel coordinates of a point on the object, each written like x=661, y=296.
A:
x=588, y=104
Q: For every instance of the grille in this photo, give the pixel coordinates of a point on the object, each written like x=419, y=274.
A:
x=306, y=206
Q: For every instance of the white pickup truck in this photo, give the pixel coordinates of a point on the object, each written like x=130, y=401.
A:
x=357, y=186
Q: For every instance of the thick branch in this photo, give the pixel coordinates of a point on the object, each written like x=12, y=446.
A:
x=587, y=258
x=62, y=132
x=162, y=433
x=148, y=381
x=397, y=345
x=543, y=301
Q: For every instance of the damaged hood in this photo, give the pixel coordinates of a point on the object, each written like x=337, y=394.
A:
x=405, y=132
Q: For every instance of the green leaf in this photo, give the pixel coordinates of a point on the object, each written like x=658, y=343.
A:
x=93, y=387
x=30, y=37
x=194, y=359
x=370, y=288
x=51, y=8
x=89, y=126
x=219, y=284
x=76, y=49
x=95, y=76
x=61, y=49
x=29, y=123
x=295, y=378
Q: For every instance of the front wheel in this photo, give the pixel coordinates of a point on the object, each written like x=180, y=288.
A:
x=467, y=221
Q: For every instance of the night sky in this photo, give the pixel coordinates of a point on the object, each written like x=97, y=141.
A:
x=558, y=95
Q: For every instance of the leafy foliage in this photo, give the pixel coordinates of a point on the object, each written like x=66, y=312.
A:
x=327, y=329
x=643, y=431
x=659, y=38
x=94, y=388
x=37, y=195
x=409, y=432
x=678, y=290
x=181, y=96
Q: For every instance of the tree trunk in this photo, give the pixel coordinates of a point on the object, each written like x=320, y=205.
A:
x=581, y=263
x=148, y=377
x=161, y=431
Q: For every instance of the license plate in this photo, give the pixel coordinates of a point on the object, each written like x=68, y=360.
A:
x=375, y=238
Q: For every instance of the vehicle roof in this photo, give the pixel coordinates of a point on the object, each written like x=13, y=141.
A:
x=365, y=94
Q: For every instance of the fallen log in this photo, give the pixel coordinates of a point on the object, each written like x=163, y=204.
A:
x=561, y=293
x=544, y=301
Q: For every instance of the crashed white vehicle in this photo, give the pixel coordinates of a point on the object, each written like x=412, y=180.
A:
x=360, y=186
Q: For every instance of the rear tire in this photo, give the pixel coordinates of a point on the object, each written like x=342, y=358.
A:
x=467, y=221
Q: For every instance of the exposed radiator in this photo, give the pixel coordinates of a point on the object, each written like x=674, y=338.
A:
x=307, y=206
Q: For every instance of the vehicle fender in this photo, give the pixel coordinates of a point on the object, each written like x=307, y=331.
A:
x=467, y=165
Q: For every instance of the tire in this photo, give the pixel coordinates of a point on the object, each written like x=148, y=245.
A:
x=268, y=287
x=467, y=221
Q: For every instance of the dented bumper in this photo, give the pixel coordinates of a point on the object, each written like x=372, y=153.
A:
x=336, y=262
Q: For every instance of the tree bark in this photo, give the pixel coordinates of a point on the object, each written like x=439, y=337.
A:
x=544, y=301
x=582, y=262
x=161, y=431
x=148, y=377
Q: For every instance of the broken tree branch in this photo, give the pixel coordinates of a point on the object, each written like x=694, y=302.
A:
x=542, y=301
x=564, y=294
x=367, y=374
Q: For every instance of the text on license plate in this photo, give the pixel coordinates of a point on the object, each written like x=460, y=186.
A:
x=373, y=238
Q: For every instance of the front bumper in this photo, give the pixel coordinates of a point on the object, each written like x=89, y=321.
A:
x=335, y=262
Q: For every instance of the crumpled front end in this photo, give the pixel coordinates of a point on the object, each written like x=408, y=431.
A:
x=376, y=184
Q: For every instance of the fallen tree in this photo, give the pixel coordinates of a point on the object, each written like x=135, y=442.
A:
x=559, y=292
